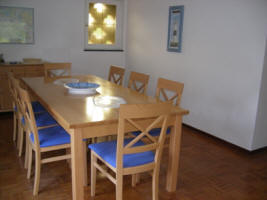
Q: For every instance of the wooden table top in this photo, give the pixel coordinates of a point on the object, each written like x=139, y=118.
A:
x=76, y=111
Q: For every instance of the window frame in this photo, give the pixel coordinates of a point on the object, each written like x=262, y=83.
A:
x=118, y=46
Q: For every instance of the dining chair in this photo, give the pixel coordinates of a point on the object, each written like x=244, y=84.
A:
x=41, y=140
x=138, y=82
x=14, y=106
x=37, y=107
x=116, y=74
x=175, y=88
x=166, y=91
x=43, y=119
x=132, y=155
x=54, y=71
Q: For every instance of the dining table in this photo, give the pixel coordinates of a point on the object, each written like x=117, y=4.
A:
x=79, y=115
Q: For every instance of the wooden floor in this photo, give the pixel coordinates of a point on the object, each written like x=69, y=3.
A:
x=209, y=170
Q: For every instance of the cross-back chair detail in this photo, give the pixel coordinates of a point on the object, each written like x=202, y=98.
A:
x=165, y=85
x=53, y=71
x=138, y=82
x=116, y=74
x=133, y=115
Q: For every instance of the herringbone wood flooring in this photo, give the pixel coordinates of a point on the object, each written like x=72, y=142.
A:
x=209, y=170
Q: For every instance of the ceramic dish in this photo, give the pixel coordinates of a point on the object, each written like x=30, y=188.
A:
x=108, y=101
x=81, y=88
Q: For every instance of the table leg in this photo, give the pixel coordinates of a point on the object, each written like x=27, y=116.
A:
x=174, y=155
x=77, y=165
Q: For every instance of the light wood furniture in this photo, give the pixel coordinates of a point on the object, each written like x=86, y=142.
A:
x=14, y=106
x=44, y=120
x=19, y=71
x=53, y=71
x=82, y=119
x=147, y=155
x=138, y=82
x=32, y=60
x=18, y=126
x=34, y=144
x=116, y=74
x=165, y=85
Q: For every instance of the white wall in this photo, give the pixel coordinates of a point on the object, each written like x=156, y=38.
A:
x=220, y=63
x=260, y=135
x=59, y=37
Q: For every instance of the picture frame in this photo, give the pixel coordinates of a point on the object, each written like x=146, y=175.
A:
x=17, y=25
x=175, y=28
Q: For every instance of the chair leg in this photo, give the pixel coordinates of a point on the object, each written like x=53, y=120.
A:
x=21, y=141
x=14, y=126
x=93, y=174
x=37, y=173
x=155, y=184
x=68, y=151
x=119, y=186
x=19, y=135
x=26, y=152
x=29, y=161
x=137, y=178
x=134, y=180
x=85, y=163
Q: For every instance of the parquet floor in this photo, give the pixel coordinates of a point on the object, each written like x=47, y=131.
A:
x=209, y=170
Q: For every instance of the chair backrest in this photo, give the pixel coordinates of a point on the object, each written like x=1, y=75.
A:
x=10, y=79
x=116, y=74
x=138, y=82
x=14, y=84
x=175, y=88
x=133, y=115
x=25, y=106
x=32, y=60
x=54, y=71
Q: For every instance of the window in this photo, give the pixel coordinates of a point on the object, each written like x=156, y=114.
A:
x=103, y=25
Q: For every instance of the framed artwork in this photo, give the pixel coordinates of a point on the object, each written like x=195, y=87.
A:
x=175, y=28
x=17, y=25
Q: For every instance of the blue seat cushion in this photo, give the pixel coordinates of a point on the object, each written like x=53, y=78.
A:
x=154, y=132
x=107, y=151
x=36, y=106
x=52, y=136
x=42, y=119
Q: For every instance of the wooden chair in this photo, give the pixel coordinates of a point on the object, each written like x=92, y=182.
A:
x=132, y=156
x=138, y=82
x=14, y=106
x=37, y=107
x=116, y=74
x=43, y=118
x=165, y=85
x=54, y=71
x=41, y=140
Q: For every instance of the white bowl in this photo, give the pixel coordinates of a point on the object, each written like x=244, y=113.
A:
x=81, y=88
